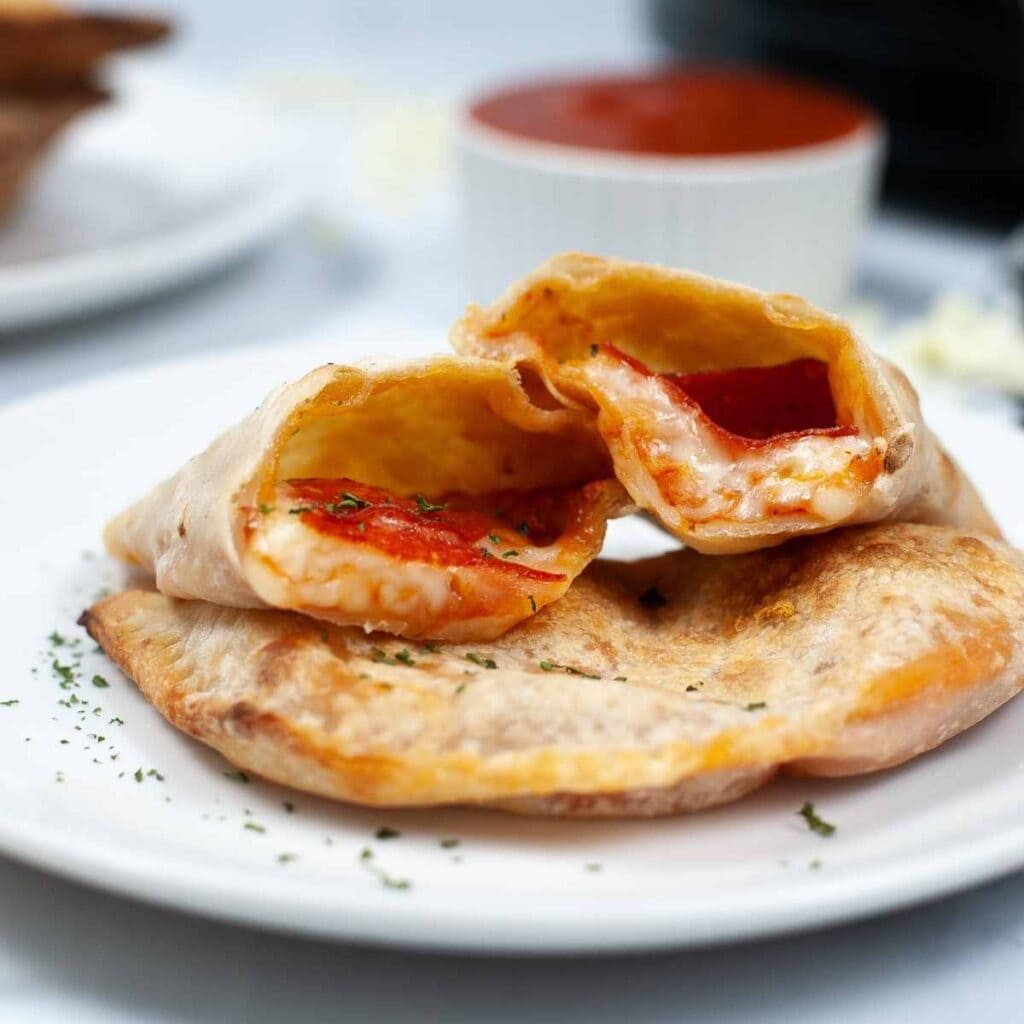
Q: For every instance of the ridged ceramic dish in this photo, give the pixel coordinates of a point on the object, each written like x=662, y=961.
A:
x=781, y=220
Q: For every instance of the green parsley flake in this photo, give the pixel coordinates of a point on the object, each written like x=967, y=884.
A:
x=65, y=673
x=450, y=844
x=385, y=832
x=425, y=507
x=253, y=827
x=814, y=822
x=494, y=538
x=265, y=510
x=99, y=682
x=287, y=858
x=756, y=705
x=621, y=679
x=379, y=655
x=237, y=776
x=346, y=502
x=510, y=554
x=388, y=881
x=56, y=640
x=299, y=509
x=595, y=867
x=9, y=703
x=289, y=806
x=460, y=688
x=405, y=657
x=139, y=775
x=551, y=666
x=430, y=648
x=533, y=603
x=479, y=659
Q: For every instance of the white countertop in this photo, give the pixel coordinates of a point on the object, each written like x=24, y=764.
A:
x=68, y=953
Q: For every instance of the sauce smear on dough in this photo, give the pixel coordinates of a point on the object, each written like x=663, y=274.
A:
x=452, y=531
x=757, y=404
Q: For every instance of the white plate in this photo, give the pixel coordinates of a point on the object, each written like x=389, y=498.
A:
x=948, y=820
x=167, y=182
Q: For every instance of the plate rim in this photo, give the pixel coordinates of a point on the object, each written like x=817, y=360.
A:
x=431, y=923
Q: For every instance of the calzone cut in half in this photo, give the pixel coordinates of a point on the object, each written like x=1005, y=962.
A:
x=654, y=687
x=430, y=499
x=738, y=419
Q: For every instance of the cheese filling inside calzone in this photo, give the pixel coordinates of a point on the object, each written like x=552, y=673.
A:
x=429, y=500
x=342, y=543
x=744, y=444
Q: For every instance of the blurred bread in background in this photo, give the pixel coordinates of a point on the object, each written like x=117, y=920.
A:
x=50, y=60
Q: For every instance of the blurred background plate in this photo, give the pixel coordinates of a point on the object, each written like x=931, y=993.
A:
x=172, y=180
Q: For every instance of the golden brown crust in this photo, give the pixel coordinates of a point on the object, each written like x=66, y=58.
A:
x=679, y=322
x=48, y=62
x=48, y=47
x=866, y=647
x=28, y=126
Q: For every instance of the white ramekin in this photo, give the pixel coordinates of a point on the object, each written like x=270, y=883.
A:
x=784, y=221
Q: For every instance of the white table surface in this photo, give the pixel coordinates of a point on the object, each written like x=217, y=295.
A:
x=71, y=954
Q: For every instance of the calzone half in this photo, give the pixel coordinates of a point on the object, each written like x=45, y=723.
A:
x=738, y=419
x=430, y=499
x=653, y=687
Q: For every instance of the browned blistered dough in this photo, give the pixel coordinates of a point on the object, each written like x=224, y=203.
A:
x=49, y=63
x=44, y=47
x=836, y=654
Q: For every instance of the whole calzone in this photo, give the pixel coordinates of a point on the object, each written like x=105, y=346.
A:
x=738, y=419
x=430, y=499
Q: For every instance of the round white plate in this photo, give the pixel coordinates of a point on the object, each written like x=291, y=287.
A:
x=167, y=182
x=191, y=836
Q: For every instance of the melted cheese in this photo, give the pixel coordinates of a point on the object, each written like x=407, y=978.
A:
x=295, y=565
x=675, y=456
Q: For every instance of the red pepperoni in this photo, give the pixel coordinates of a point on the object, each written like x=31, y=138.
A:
x=445, y=532
x=757, y=404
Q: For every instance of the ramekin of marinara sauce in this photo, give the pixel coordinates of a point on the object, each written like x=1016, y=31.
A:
x=749, y=175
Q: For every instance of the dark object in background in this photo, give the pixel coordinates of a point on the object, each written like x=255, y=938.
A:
x=948, y=76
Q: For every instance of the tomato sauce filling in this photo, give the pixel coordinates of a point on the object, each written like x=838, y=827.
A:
x=754, y=405
x=696, y=112
x=452, y=531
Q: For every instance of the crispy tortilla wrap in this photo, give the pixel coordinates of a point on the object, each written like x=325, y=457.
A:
x=653, y=687
x=430, y=499
x=738, y=419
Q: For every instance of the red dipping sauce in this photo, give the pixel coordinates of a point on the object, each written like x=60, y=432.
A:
x=698, y=112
